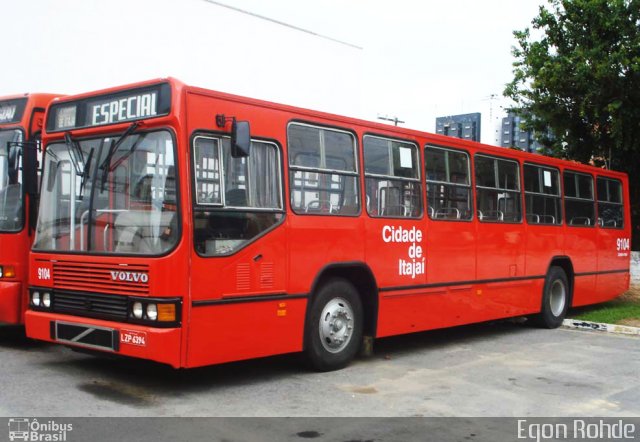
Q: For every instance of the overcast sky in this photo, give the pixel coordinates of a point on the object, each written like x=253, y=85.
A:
x=412, y=59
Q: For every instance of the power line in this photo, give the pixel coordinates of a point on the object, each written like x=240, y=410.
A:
x=281, y=23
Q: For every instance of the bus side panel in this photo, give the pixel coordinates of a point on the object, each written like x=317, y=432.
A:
x=584, y=291
x=232, y=332
x=543, y=243
x=500, y=251
x=613, y=256
x=450, y=251
x=316, y=242
x=440, y=307
x=11, y=303
x=399, y=261
x=232, y=315
x=500, y=259
x=13, y=291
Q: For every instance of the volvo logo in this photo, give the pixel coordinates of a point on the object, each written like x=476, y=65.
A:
x=129, y=276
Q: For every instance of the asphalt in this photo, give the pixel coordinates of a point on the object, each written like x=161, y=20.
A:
x=496, y=369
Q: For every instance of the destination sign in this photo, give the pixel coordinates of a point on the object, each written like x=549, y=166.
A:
x=130, y=105
x=123, y=109
x=11, y=110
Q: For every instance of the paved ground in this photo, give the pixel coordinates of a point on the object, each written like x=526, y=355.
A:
x=500, y=369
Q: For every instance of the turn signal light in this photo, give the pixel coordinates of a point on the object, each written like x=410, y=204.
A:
x=7, y=272
x=166, y=312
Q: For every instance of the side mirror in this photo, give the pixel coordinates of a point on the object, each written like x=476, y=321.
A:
x=12, y=162
x=30, y=168
x=240, y=139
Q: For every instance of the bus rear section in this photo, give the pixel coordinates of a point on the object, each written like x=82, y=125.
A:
x=21, y=119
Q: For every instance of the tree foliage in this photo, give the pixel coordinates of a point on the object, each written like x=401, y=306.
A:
x=577, y=77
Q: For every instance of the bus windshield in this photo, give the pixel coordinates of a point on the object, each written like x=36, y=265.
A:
x=109, y=195
x=11, y=213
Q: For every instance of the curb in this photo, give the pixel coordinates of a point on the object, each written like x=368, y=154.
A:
x=600, y=326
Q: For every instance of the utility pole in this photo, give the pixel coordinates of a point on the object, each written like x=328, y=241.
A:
x=395, y=120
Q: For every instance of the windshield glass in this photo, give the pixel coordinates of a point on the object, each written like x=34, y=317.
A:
x=97, y=199
x=11, y=213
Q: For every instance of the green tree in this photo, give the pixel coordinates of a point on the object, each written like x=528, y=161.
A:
x=578, y=74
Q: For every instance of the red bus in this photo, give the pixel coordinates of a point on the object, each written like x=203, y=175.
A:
x=194, y=227
x=21, y=119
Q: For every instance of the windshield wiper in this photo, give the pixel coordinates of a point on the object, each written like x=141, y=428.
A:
x=77, y=157
x=86, y=171
x=112, y=150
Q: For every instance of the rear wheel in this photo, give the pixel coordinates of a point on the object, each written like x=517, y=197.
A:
x=333, y=330
x=555, y=299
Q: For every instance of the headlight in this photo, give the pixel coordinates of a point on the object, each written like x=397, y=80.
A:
x=35, y=298
x=1, y=272
x=155, y=312
x=137, y=310
x=46, y=299
x=152, y=312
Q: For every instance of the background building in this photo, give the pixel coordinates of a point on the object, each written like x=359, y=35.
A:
x=465, y=126
x=513, y=135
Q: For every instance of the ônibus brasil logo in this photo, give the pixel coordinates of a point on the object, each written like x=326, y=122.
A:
x=129, y=276
x=31, y=430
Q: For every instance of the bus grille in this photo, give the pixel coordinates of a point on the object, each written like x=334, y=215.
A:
x=101, y=306
x=98, y=277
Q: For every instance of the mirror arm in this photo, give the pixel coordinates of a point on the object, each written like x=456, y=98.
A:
x=222, y=120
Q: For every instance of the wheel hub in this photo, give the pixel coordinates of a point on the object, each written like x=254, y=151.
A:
x=557, y=297
x=336, y=325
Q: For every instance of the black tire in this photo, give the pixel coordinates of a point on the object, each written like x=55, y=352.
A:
x=556, y=298
x=333, y=330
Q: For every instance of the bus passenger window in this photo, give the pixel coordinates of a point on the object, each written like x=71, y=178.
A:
x=392, y=178
x=323, y=171
x=448, y=184
x=610, y=208
x=542, y=195
x=579, y=206
x=498, y=189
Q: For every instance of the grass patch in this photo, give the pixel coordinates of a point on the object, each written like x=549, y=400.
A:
x=624, y=309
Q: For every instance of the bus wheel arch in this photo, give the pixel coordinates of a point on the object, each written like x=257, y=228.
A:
x=564, y=262
x=354, y=284
x=556, y=295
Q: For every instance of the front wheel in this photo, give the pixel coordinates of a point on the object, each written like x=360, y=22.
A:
x=333, y=331
x=555, y=299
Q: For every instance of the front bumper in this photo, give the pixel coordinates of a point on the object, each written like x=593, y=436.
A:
x=138, y=341
x=11, y=303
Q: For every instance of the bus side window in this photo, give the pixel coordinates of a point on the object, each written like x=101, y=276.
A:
x=237, y=199
x=392, y=178
x=542, y=195
x=448, y=184
x=323, y=171
x=610, y=207
x=498, y=189
x=579, y=207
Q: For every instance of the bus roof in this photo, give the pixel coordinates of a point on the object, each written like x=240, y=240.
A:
x=14, y=108
x=370, y=126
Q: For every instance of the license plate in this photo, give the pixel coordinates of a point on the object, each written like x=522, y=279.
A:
x=133, y=337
